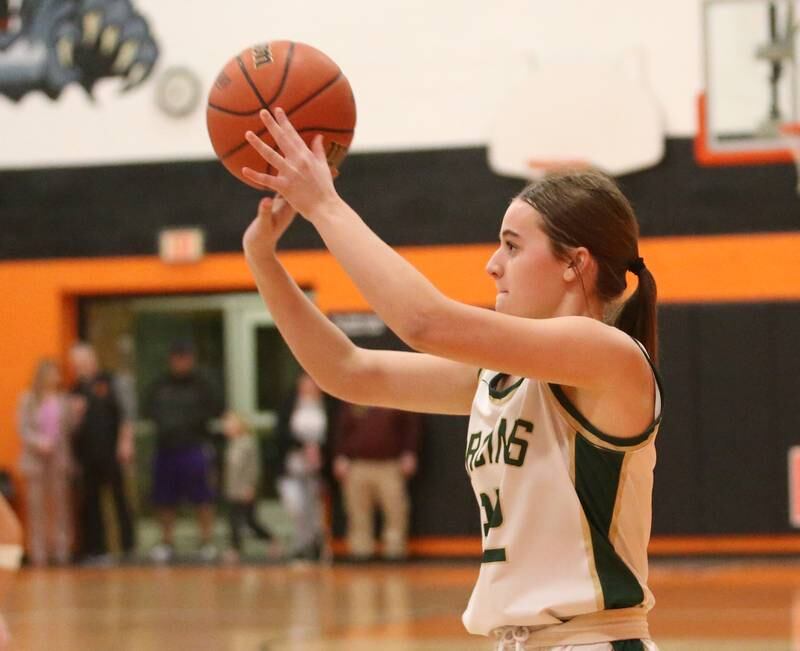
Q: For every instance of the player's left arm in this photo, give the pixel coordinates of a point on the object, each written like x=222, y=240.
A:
x=575, y=351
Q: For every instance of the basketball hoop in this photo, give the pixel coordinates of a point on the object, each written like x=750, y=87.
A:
x=539, y=167
x=790, y=134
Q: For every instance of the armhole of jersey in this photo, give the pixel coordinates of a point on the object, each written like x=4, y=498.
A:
x=586, y=429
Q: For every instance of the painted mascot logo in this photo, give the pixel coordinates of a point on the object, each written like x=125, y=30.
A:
x=47, y=45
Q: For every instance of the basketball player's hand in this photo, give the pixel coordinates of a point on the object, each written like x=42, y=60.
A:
x=302, y=176
x=273, y=218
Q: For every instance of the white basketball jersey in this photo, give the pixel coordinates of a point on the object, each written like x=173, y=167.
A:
x=565, y=515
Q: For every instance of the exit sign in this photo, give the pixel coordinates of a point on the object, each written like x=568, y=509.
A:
x=181, y=245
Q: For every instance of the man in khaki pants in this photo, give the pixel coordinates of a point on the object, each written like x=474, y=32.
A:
x=375, y=452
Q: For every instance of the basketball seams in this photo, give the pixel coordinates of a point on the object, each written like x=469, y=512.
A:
x=242, y=114
x=284, y=76
x=251, y=83
x=244, y=143
x=315, y=94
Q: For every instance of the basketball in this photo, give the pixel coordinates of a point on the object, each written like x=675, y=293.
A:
x=296, y=77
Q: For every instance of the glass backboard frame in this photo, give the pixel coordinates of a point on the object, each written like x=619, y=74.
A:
x=740, y=111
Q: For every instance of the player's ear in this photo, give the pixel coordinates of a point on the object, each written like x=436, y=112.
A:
x=578, y=264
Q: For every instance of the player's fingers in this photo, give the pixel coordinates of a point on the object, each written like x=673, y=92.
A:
x=319, y=148
x=265, y=151
x=279, y=133
x=282, y=213
x=263, y=180
x=265, y=206
x=280, y=206
x=288, y=128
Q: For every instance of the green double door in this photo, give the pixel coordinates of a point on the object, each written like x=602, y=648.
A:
x=237, y=348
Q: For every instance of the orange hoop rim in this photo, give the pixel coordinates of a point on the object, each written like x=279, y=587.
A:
x=790, y=129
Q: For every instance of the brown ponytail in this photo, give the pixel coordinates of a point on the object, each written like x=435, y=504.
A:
x=638, y=316
x=586, y=208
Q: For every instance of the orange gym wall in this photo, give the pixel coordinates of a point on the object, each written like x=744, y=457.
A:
x=39, y=296
x=40, y=313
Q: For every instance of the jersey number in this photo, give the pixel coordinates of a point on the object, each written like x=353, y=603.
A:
x=494, y=513
x=494, y=518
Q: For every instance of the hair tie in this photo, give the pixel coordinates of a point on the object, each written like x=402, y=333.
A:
x=636, y=266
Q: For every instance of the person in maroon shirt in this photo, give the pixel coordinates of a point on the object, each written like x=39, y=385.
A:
x=375, y=452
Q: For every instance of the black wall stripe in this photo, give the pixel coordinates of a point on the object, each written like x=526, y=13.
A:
x=409, y=198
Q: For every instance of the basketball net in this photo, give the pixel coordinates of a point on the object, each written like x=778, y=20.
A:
x=539, y=167
x=790, y=134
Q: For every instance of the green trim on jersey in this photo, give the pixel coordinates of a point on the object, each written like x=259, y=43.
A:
x=627, y=645
x=498, y=395
x=597, y=480
x=572, y=410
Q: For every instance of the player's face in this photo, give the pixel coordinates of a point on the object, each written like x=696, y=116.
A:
x=528, y=276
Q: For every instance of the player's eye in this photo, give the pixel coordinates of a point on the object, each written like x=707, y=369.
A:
x=510, y=246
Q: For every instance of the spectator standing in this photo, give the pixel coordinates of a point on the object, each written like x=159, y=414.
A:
x=102, y=446
x=242, y=473
x=43, y=423
x=181, y=404
x=375, y=453
x=302, y=431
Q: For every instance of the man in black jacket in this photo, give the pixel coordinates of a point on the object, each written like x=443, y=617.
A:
x=103, y=445
x=181, y=404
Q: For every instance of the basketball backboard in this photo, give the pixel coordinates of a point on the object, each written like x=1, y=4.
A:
x=574, y=115
x=750, y=77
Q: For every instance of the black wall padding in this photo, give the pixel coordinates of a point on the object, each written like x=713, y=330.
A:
x=731, y=388
x=732, y=375
x=420, y=197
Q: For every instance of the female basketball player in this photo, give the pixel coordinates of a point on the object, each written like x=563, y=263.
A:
x=560, y=448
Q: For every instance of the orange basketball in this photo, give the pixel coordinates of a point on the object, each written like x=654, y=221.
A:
x=296, y=77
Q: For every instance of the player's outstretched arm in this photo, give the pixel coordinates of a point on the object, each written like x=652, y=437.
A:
x=575, y=351
x=410, y=381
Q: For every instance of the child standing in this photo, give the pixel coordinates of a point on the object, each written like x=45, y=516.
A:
x=242, y=472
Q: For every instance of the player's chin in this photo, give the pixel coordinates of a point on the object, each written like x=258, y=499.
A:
x=501, y=302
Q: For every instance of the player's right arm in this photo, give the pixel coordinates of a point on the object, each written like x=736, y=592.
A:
x=411, y=381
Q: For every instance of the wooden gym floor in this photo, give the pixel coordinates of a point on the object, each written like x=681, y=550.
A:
x=702, y=606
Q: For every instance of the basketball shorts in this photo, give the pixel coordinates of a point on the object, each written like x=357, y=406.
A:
x=180, y=475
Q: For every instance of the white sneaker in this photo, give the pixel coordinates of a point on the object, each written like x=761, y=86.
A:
x=162, y=553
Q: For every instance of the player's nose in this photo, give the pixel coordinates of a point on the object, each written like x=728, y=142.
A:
x=493, y=267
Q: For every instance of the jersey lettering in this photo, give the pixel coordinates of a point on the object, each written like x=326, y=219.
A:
x=491, y=446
